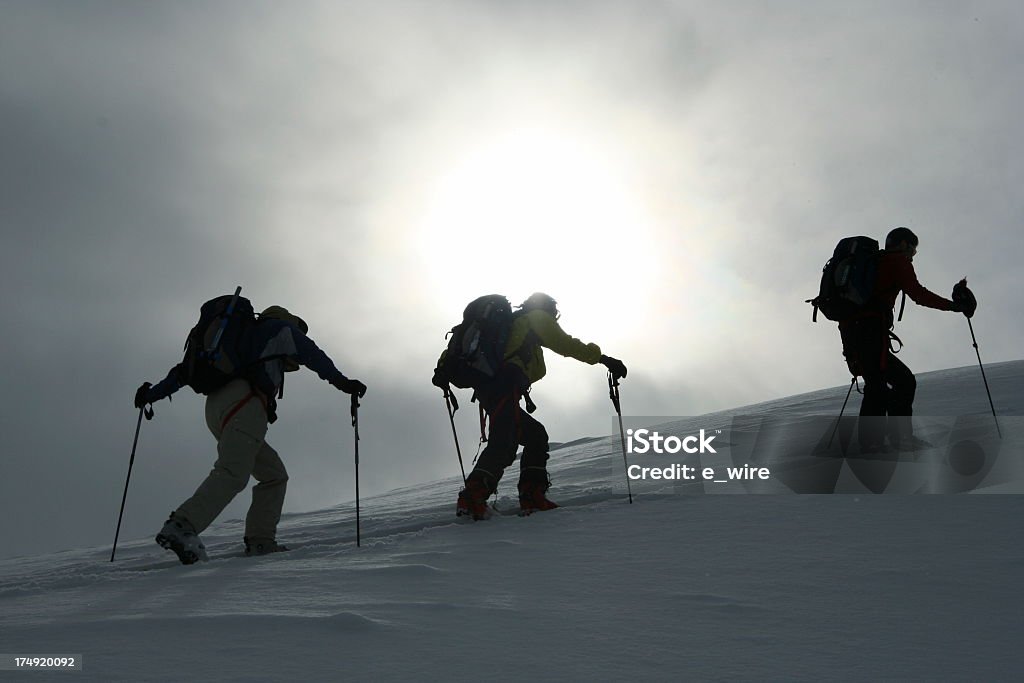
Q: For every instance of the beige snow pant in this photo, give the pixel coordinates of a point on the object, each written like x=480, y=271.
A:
x=238, y=420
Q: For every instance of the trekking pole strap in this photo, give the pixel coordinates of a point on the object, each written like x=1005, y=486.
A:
x=613, y=392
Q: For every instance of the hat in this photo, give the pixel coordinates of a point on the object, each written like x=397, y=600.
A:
x=540, y=300
x=282, y=313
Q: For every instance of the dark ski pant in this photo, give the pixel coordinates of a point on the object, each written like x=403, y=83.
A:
x=510, y=427
x=889, y=385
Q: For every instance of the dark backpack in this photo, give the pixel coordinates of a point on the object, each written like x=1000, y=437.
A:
x=848, y=279
x=476, y=346
x=214, y=352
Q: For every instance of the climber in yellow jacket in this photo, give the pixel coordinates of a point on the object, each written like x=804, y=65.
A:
x=534, y=328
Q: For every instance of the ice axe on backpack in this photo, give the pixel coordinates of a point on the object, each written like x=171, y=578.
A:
x=215, y=344
x=613, y=394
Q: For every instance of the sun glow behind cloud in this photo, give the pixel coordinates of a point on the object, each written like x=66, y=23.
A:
x=537, y=208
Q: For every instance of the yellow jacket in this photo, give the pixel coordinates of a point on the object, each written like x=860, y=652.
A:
x=538, y=328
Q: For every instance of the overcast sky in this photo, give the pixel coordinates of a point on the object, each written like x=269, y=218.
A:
x=674, y=173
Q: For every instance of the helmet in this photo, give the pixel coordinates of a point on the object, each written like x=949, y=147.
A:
x=542, y=301
x=897, y=235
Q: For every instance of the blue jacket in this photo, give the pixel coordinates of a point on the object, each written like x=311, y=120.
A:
x=265, y=349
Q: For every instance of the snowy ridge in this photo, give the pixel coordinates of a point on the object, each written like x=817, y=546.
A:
x=672, y=587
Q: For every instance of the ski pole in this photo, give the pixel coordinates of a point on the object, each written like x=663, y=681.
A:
x=984, y=379
x=453, y=405
x=355, y=427
x=613, y=394
x=841, y=410
x=131, y=461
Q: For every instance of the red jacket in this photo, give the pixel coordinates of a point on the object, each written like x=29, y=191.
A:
x=895, y=274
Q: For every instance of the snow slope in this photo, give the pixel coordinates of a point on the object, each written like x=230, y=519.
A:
x=672, y=587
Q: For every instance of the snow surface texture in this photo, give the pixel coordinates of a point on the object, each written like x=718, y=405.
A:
x=673, y=587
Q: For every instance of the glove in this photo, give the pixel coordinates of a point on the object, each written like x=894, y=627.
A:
x=352, y=386
x=439, y=380
x=963, y=299
x=614, y=365
x=145, y=395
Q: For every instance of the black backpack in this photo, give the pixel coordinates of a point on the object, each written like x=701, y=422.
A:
x=476, y=346
x=214, y=352
x=848, y=279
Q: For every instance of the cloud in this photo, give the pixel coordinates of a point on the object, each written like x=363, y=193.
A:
x=158, y=155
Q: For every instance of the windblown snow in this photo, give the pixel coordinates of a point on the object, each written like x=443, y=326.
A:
x=671, y=587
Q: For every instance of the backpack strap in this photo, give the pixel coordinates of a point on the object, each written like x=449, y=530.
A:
x=483, y=424
x=894, y=338
x=530, y=341
x=483, y=436
x=530, y=405
x=510, y=400
x=877, y=304
x=250, y=369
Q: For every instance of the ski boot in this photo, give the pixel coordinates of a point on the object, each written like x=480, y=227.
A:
x=262, y=546
x=532, y=498
x=179, y=536
x=473, y=500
